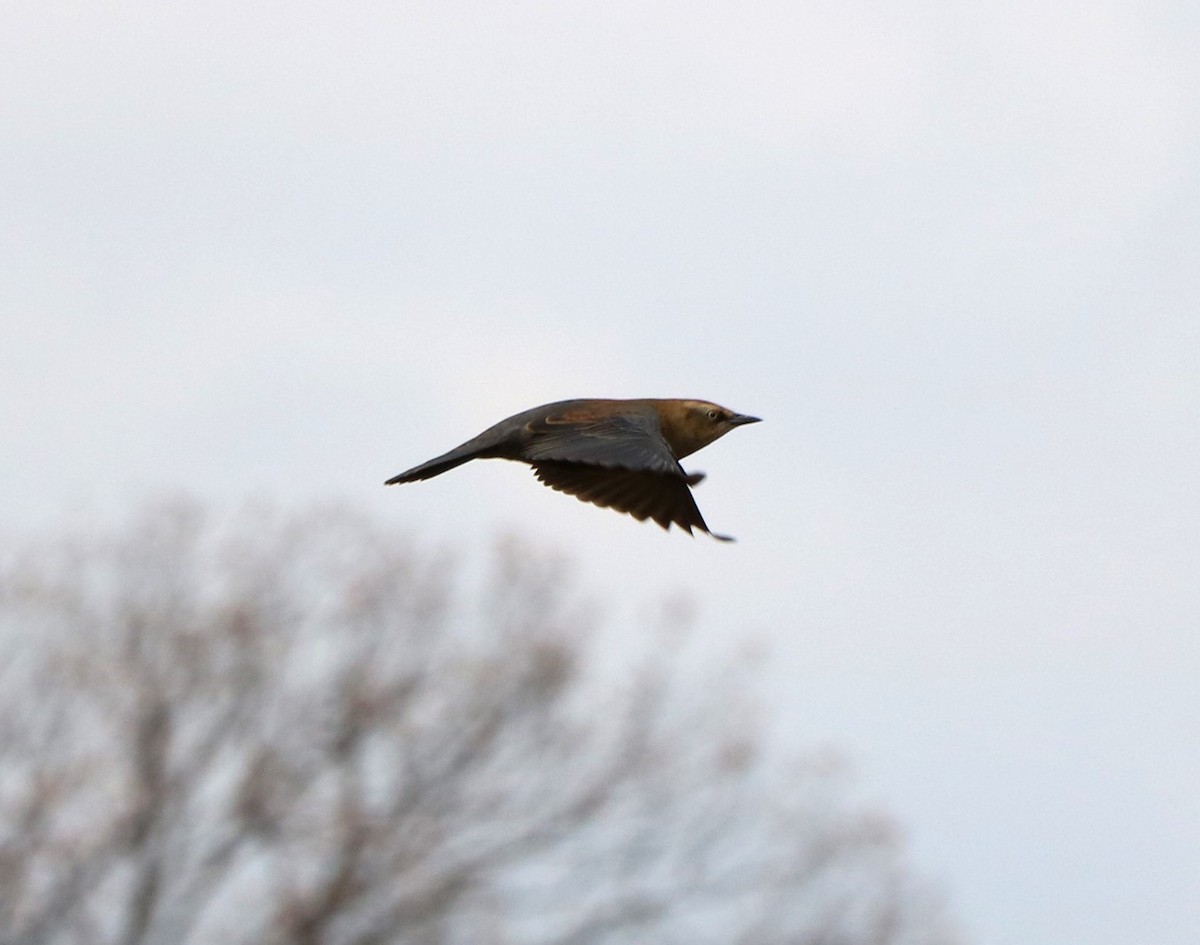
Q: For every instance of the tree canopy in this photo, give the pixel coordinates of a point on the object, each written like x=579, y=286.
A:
x=301, y=728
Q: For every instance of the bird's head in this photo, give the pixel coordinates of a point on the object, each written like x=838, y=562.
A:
x=689, y=425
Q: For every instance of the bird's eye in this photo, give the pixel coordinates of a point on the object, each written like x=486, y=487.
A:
x=713, y=414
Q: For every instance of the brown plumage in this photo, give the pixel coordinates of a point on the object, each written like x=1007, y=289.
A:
x=619, y=454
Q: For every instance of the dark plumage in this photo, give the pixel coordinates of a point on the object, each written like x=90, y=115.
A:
x=620, y=454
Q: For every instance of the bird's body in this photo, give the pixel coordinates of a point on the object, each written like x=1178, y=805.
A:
x=622, y=454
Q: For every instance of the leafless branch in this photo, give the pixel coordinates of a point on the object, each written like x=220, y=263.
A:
x=298, y=730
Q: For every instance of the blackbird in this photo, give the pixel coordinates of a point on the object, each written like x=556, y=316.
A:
x=619, y=454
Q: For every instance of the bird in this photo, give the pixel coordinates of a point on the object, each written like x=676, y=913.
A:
x=619, y=454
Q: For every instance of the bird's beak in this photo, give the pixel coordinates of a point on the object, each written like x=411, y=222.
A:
x=740, y=418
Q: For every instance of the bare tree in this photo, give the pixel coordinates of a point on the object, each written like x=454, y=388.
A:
x=300, y=729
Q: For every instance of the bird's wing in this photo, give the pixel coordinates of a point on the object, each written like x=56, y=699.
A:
x=631, y=440
x=663, y=497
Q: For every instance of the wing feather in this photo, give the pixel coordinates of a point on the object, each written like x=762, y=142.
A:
x=665, y=498
x=630, y=440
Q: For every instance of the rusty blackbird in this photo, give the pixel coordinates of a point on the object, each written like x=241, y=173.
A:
x=620, y=454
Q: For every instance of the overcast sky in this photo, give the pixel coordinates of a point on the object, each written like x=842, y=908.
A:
x=950, y=253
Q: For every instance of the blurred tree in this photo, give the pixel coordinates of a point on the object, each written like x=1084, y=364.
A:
x=293, y=730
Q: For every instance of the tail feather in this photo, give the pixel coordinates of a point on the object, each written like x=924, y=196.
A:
x=434, y=467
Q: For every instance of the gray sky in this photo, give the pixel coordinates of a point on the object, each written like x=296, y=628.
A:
x=949, y=253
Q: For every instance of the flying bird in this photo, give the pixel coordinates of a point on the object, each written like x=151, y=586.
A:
x=619, y=454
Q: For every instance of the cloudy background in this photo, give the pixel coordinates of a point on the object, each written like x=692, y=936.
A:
x=950, y=253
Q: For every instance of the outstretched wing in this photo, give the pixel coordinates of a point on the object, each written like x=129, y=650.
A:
x=631, y=439
x=664, y=497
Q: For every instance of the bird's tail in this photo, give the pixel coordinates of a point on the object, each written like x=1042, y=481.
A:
x=434, y=467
